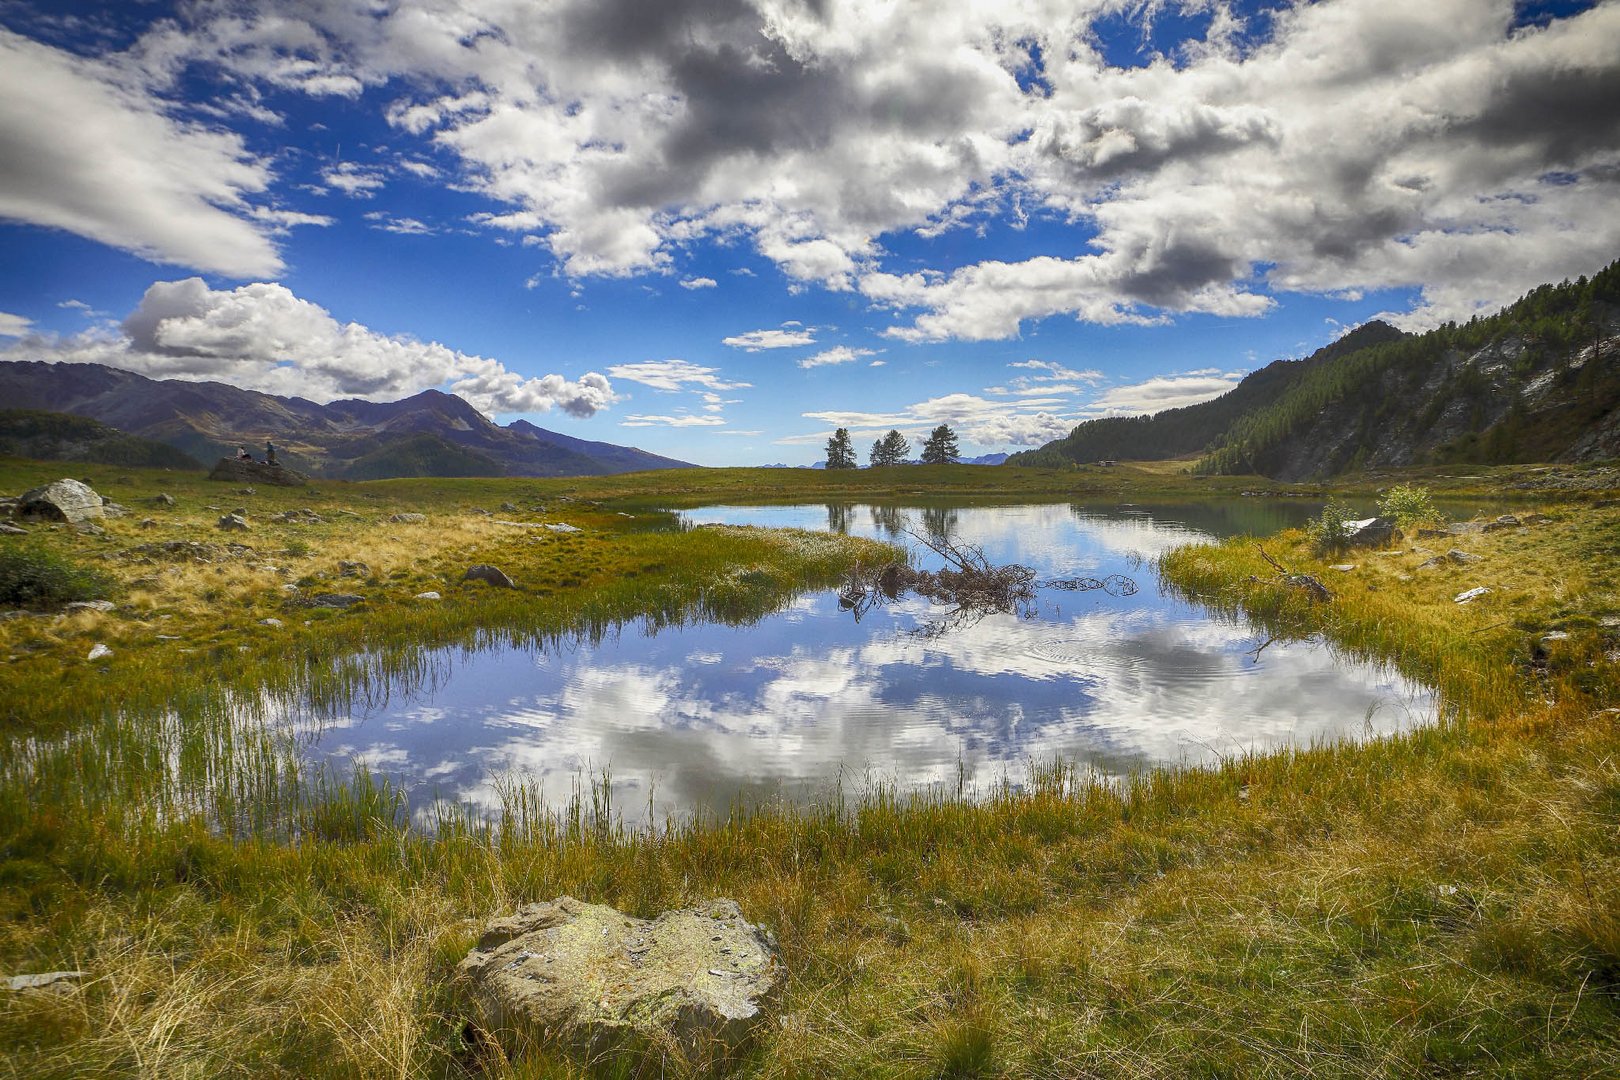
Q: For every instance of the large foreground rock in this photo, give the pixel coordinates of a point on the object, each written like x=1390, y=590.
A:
x=690, y=983
x=257, y=472
x=64, y=500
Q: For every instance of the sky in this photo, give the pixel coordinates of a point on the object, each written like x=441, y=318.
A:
x=720, y=229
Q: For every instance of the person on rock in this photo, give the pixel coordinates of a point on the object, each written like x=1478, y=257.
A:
x=270, y=453
x=242, y=454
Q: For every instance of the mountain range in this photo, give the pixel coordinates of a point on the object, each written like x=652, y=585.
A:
x=428, y=434
x=1537, y=381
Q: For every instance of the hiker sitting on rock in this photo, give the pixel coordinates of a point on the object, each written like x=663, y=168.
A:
x=242, y=454
x=270, y=453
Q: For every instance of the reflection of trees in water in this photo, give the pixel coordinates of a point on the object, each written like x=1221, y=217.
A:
x=1219, y=518
x=839, y=517
x=938, y=522
x=891, y=519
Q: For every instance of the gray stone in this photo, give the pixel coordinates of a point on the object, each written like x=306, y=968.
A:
x=64, y=500
x=429, y=595
x=1343, y=568
x=409, y=519
x=1371, y=532
x=257, y=472
x=90, y=605
x=149, y=523
x=484, y=572
x=353, y=569
x=97, y=651
x=112, y=509
x=1470, y=596
x=233, y=523
x=508, y=507
x=163, y=498
x=56, y=982
x=8, y=529
x=692, y=982
x=1506, y=521
x=336, y=600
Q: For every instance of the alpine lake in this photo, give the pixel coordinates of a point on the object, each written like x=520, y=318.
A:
x=1100, y=668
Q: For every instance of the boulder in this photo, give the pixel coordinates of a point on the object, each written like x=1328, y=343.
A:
x=233, y=522
x=163, y=498
x=257, y=472
x=353, y=569
x=65, y=500
x=492, y=574
x=1506, y=521
x=1371, y=532
x=692, y=983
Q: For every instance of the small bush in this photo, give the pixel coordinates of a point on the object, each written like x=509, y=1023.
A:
x=1411, y=507
x=1331, y=531
x=34, y=577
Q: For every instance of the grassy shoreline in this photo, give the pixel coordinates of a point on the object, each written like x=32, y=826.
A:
x=1448, y=901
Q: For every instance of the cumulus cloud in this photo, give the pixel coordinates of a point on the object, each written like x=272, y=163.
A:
x=1163, y=392
x=789, y=337
x=13, y=325
x=354, y=180
x=1321, y=148
x=263, y=337
x=673, y=375
x=979, y=420
x=88, y=148
x=698, y=283
x=838, y=354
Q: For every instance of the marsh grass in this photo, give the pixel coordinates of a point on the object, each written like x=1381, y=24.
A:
x=1443, y=902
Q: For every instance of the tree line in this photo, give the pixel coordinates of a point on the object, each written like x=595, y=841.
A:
x=940, y=448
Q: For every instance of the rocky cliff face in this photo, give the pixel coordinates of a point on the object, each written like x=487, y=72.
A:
x=1512, y=400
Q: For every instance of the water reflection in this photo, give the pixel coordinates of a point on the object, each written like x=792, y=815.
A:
x=697, y=716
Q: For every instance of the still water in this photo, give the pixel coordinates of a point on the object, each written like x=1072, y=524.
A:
x=691, y=719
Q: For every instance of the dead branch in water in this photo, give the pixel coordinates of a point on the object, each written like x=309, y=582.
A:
x=969, y=585
x=1313, y=588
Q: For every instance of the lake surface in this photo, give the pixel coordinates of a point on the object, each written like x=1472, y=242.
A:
x=692, y=718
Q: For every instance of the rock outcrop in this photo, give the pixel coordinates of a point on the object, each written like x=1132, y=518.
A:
x=257, y=472
x=494, y=575
x=64, y=500
x=690, y=984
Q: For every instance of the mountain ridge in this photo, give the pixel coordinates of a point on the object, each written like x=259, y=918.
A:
x=430, y=433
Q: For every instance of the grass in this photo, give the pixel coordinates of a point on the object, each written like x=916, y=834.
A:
x=1444, y=902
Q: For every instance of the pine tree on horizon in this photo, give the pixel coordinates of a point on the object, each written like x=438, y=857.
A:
x=941, y=447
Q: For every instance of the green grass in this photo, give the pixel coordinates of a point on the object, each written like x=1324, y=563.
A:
x=1447, y=902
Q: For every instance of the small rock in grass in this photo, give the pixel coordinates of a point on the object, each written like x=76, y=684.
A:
x=12, y=530
x=353, y=569
x=409, y=519
x=269, y=622
x=508, y=507
x=149, y=523
x=491, y=574
x=429, y=595
x=1470, y=595
x=163, y=498
x=1343, y=568
x=336, y=600
x=564, y=527
x=55, y=982
x=90, y=605
x=97, y=651
x=1555, y=635
x=233, y=522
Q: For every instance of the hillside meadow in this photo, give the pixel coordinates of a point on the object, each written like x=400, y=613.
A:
x=1446, y=902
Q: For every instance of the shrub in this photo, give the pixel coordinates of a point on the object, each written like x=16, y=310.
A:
x=1331, y=531
x=1409, y=506
x=34, y=577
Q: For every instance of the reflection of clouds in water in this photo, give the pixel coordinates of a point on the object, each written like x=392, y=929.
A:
x=695, y=717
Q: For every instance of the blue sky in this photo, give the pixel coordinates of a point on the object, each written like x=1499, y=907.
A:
x=717, y=229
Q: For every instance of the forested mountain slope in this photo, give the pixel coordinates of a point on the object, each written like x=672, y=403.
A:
x=1538, y=381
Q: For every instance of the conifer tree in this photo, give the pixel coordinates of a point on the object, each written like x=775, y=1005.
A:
x=941, y=448
x=841, y=450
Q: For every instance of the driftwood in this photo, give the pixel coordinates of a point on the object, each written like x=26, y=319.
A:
x=1313, y=587
x=969, y=585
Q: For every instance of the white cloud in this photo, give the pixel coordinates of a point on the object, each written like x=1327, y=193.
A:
x=978, y=420
x=1162, y=392
x=755, y=340
x=402, y=226
x=699, y=283
x=684, y=420
x=353, y=179
x=263, y=337
x=13, y=325
x=90, y=151
x=673, y=375
x=838, y=354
